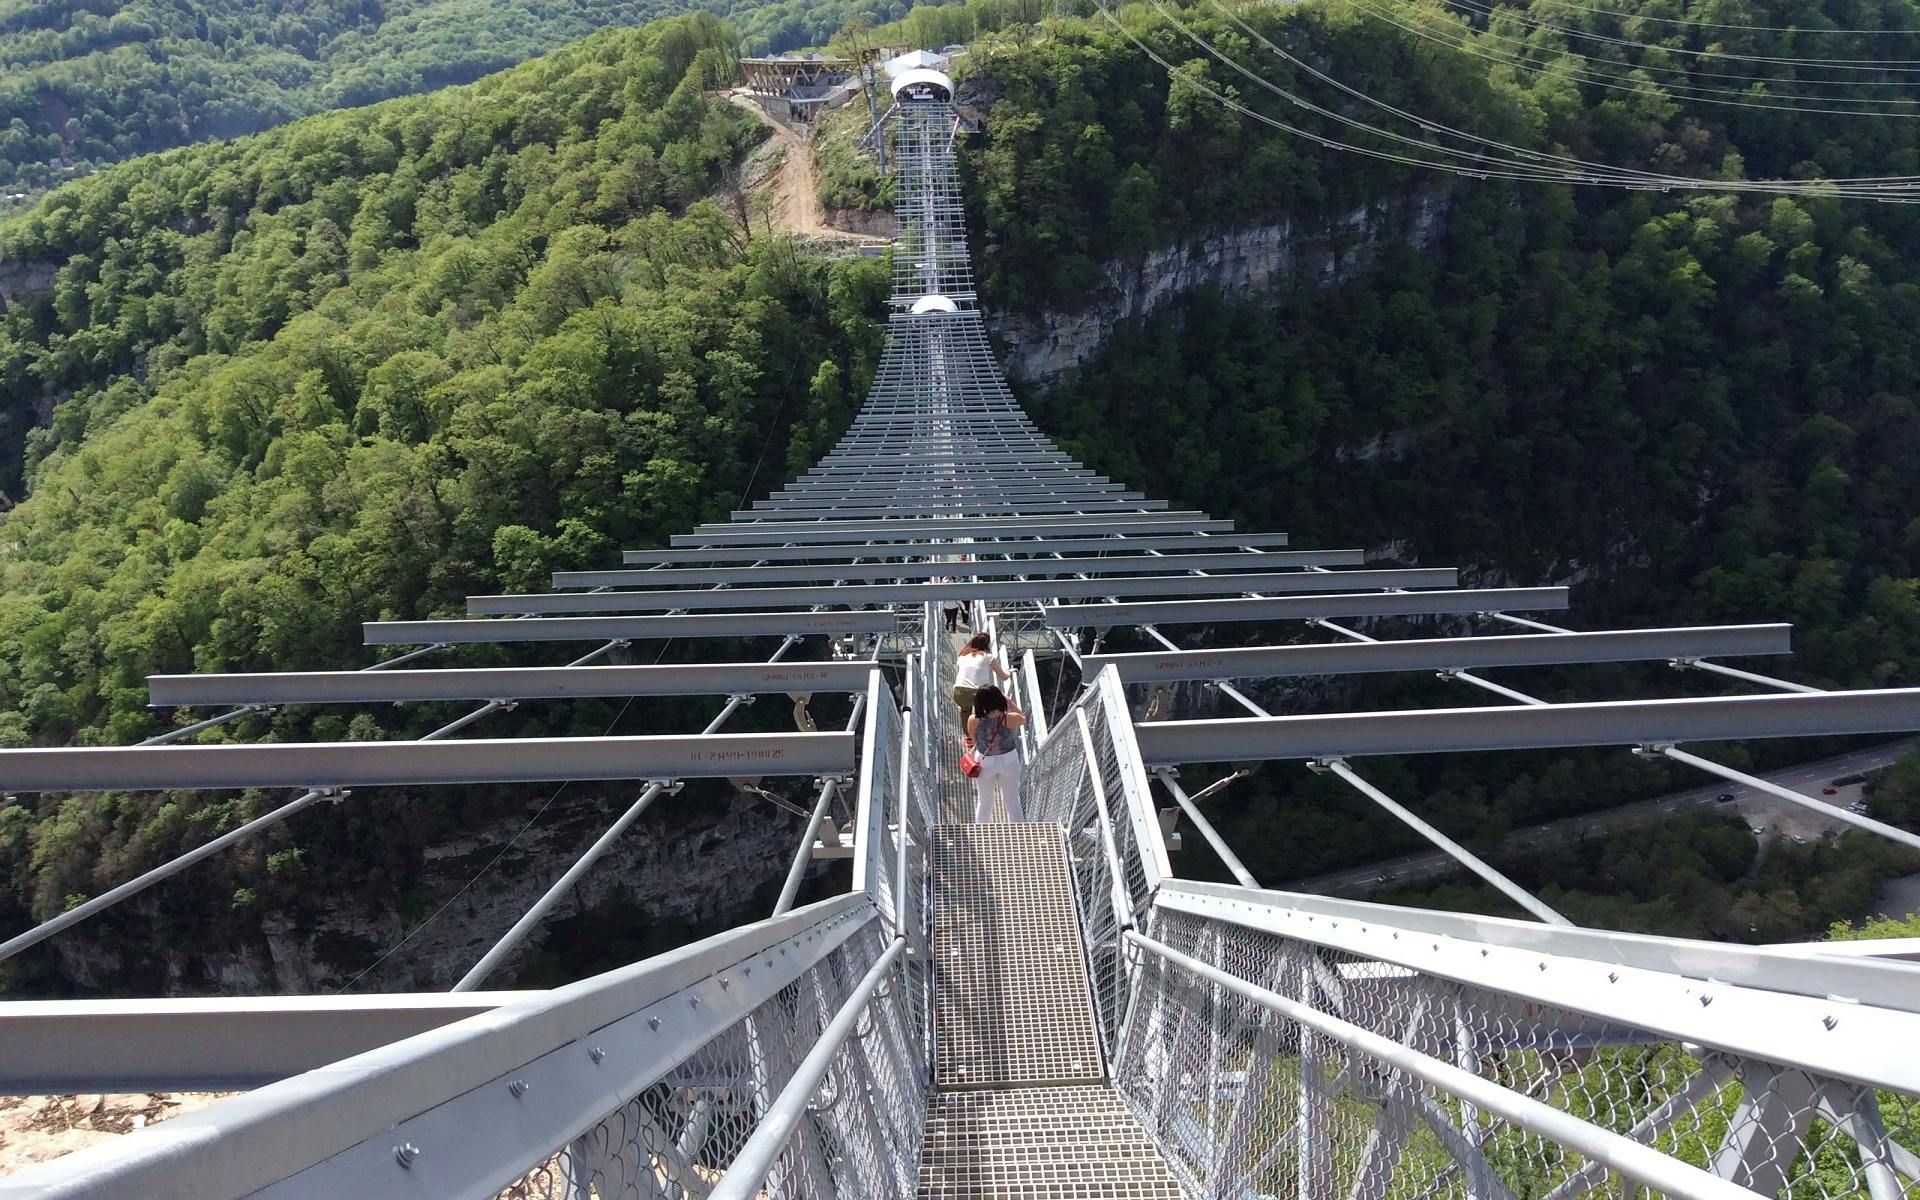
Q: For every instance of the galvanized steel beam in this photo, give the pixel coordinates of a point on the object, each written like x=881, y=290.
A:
x=973, y=567
x=1454, y=730
x=1122, y=544
x=777, y=533
x=919, y=593
x=220, y=1043
x=595, y=629
x=390, y=764
x=959, y=504
x=1447, y=654
x=1301, y=608
x=508, y=683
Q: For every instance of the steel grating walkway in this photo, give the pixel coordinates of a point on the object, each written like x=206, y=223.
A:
x=1022, y=1107
x=1011, y=1004
x=1020, y=1142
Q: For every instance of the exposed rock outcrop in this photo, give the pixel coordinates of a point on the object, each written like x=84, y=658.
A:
x=700, y=877
x=1040, y=347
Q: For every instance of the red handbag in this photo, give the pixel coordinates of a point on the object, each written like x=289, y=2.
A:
x=970, y=764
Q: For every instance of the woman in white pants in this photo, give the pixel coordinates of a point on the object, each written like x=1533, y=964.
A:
x=990, y=730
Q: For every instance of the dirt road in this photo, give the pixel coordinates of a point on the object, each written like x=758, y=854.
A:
x=794, y=186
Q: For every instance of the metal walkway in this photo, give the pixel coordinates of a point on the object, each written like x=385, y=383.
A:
x=1011, y=1004
x=1033, y=1009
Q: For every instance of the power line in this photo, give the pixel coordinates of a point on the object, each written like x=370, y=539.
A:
x=1431, y=126
x=1890, y=190
x=1472, y=44
x=1489, y=9
x=1689, y=22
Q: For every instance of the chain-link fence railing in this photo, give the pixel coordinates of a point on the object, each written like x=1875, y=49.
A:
x=1383, y=1081
x=859, y=1134
x=1087, y=779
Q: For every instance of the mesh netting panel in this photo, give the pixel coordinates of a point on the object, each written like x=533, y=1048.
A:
x=861, y=1134
x=1246, y=1102
x=880, y=792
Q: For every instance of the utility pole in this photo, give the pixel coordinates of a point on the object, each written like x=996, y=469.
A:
x=869, y=81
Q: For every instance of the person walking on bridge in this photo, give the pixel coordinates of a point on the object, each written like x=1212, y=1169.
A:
x=991, y=732
x=976, y=668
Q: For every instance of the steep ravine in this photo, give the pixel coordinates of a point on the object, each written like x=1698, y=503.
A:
x=687, y=880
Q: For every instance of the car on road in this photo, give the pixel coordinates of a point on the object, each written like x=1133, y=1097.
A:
x=1829, y=790
x=1798, y=840
x=1724, y=798
x=1859, y=808
x=1758, y=829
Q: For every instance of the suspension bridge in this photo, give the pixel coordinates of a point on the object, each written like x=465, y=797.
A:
x=1019, y=1009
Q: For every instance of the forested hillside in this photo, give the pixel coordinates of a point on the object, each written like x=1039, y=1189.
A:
x=1711, y=400
x=370, y=362
x=84, y=83
x=1700, y=409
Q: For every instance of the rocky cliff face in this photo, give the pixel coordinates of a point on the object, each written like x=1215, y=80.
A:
x=1041, y=347
x=702, y=877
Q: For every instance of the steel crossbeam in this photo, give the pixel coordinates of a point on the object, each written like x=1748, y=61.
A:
x=1304, y=608
x=1446, y=654
x=508, y=683
x=975, y=568
x=896, y=551
x=334, y=1133
x=960, y=505
x=216, y=1043
x=1607, y=723
x=919, y=529
x=388, y=764
x=918, y=593
x=595, y=629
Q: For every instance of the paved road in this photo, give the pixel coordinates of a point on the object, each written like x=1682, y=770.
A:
x=1767, y=812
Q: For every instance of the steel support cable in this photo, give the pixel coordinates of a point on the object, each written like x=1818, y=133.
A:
x=1599, y=75
x=1633, y=1160
x=1891, y=833
x=1325, y=141
x=1470, y=43
x=1903, y=65
x=1239, y=869
x=1688, y=21
x=1544, y=171
x=1768, y=188
x=1453, y=849
x=538, y=911
x=174, y=866
x=1565, y=169
x=1426, y=123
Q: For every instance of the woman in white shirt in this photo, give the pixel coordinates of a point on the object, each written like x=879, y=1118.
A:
x=975, y=669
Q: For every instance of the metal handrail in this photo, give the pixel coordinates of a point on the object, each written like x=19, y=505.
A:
x=342, y=1125
x=769, y=1138
x=1641, y=1163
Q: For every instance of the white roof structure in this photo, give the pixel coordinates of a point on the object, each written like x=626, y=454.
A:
x=913, y=61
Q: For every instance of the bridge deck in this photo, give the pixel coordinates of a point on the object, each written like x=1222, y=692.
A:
x=1033, y=1142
